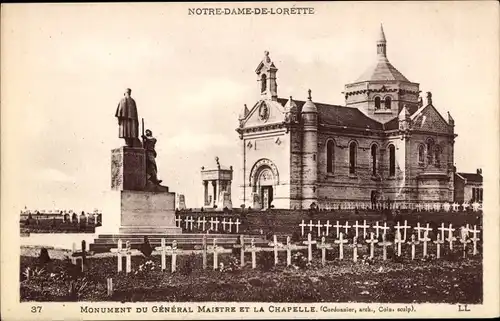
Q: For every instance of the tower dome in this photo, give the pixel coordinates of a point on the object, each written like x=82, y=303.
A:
x=309, y=106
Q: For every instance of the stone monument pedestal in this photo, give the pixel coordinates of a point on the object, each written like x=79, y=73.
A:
x=128, y=168
x=135, y=206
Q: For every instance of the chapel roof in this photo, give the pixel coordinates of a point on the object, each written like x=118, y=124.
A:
x=472, y=177
x=341, y=116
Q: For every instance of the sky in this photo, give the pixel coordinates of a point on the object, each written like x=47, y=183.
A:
x=65, y=67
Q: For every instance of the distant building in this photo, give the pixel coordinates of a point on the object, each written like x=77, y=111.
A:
x=386, y=143
x=469, y=187
x=217, y=186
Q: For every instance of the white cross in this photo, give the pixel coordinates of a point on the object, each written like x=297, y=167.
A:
x=355, y=246
x=384, y=245
x=178, y=221
x=364, y=226
x=356, y=228
x=465, y=205
x=224, y=224
x=253, y=249
x=372, y=242
x=438, y=242
x=163, y=250
x=212, y=222
x=302, y=226
x=455, y=206
x=327, y=226
x=237, y=224
x=398, y=241
x=230, y=223
x=446, y=206
x=442, y=229
x=475, y=206
x=405, y=227
x=216, y=223
x=275, y=245
x=384, y=229
x=474, y=239
x=203, y=221
x=323, y=246
x=319, y=227
x=311, y=225
x=413, y=242
x=127, y=252
x=424, y=240
x=419, y=231
x=190, y=220
x=346, y=227
x=376, y=227
x=338, y=226
x=341, y=243
x=451, y=238
x=464, y=242
x=309, y=244
x=215, y=249
x=427, y=229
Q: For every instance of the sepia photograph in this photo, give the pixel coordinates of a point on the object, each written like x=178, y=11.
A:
x=213, y=160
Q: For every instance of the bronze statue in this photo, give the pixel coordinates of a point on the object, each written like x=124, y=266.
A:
x=148, y=143
x=128, y=121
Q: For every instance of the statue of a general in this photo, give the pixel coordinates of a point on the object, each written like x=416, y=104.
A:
x=126, y=112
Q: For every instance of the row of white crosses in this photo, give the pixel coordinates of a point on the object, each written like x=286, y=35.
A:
x=455, y=207
x=202, y=223
x=338, y=227
x=379, y=229
x=276, y=247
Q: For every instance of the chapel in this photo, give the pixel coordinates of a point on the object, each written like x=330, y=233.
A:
x=384, y=144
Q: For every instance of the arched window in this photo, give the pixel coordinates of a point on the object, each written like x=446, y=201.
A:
x=437, y=153
x=387, y=102
x=352, y=158
x=430, y=148
x=421, y=154
x=330, y=156
x=392, y=160
x=377, y=102
x=374, y=160
x=263, y=83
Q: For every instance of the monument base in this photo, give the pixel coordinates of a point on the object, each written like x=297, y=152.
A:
x=138, y=212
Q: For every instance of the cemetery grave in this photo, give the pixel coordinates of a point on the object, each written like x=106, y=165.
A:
x=444, y=264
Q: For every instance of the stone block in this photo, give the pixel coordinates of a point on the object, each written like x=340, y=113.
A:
x=128, y=169
x=147, y=212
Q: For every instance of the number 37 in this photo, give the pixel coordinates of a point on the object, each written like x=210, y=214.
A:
x=36, y=309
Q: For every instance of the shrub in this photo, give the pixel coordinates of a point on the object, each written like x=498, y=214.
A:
x=295, y=237
x=299, y=261
x=187, y=266
x=233, y=265
x=265, y=260
x=44, y=256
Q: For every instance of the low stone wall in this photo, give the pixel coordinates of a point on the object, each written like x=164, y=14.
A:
x=279, y=221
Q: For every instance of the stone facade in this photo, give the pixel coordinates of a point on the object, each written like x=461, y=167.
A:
x=385, y=144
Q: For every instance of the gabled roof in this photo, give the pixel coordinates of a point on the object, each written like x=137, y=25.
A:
x=472, y=177
x=340, y=115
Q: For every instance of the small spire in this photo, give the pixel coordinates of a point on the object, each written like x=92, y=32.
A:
x=309, y=97
x=381, y=37
x=429, y=98
x=382, y=44
x=451, y=121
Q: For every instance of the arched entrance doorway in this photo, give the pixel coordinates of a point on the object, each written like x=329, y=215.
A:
x=264, y=180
